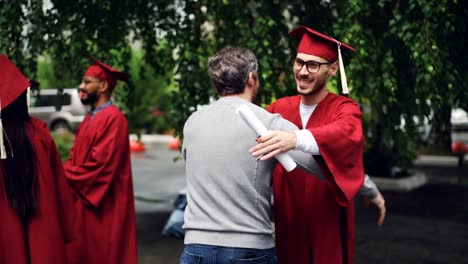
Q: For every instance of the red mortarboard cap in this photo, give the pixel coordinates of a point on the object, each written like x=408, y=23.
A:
x=105, y=72
x=315, y=43
x=12, y=85
x=12, y=82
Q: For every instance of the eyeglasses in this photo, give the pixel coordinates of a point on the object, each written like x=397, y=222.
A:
x=311, y=66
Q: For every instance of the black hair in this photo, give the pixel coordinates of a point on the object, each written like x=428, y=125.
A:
x=19, y=166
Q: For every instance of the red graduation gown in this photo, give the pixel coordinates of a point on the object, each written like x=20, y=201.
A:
x=314, y=219
x=99, y=170
x=52, y=232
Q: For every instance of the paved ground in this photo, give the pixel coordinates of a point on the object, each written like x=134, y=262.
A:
x=157, y=181
x=428, y=225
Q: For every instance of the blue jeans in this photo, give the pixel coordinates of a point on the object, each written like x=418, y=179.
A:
x=205, y=254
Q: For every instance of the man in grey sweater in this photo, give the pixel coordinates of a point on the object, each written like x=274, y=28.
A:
x=228, y=218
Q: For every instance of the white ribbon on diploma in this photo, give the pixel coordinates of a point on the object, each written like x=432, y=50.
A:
x=256, y=125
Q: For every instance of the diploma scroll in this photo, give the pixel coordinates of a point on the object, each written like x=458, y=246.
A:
x=256, y=125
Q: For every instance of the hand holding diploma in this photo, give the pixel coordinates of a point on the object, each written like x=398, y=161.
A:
x=249, y=117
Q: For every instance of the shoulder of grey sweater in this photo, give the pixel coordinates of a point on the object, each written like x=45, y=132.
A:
x=280, y=123
x=307, y=163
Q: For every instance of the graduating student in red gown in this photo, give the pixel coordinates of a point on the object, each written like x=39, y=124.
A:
x=37, y=225
x=315, y=219
x=99, y=172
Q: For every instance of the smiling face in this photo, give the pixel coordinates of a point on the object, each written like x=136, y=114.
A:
x=89, y=90
x=312, y=83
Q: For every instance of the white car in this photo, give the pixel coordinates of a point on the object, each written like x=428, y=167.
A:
x=459, y=118
x=459, y=122
x=44, y=106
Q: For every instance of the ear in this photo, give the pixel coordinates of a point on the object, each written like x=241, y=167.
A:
x=251, y=81
x=333, y=69
x=104, y=86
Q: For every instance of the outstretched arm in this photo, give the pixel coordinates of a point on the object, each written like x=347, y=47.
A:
x=372, y=195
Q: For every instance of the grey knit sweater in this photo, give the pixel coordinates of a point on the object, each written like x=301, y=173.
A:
x=229, y=191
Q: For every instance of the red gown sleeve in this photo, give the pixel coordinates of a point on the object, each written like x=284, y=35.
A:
x=271, y=108
x=92, y=178
x=341, y=145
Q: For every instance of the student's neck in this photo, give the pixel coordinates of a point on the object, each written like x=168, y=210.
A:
x=245, y=96
x=313, y=99
x=102, y=100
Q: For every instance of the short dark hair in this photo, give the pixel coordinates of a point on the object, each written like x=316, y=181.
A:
x=229, y=69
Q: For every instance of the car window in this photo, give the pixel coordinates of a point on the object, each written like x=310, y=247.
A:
x=50, y=100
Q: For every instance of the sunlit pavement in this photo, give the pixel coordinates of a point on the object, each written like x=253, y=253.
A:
x=426, y=225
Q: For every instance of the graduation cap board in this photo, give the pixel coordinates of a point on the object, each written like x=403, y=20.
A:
x=12, y=85
x=315, y=43
x=103, y=71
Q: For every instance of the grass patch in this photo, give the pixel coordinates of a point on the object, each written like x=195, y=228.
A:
x=149, y=200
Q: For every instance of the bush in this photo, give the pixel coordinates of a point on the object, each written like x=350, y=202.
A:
x=64, y=142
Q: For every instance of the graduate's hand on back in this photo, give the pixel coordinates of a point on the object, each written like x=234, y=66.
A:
x=274, y=143
x=379, y=202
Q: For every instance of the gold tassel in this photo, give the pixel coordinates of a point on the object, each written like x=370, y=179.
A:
x=344, y=83
x=28, y=97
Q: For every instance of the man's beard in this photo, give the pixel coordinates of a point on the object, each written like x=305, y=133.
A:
x=90, y=99
x=319, y=85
